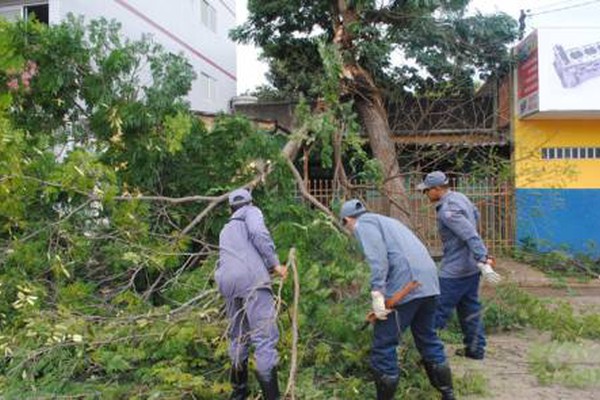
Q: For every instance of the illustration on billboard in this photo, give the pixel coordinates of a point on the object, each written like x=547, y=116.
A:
x=577, y=64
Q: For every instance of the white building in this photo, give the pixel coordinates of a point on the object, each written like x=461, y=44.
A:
x=197, y=28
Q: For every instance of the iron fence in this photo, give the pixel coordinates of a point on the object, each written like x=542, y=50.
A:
x=493, y=197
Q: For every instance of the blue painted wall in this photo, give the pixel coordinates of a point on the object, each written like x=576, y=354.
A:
x=560, y=217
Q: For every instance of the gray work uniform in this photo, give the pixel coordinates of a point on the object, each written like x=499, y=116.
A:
x=457, y=220
x=463, y=248
x=246, y=257
x=396, y=257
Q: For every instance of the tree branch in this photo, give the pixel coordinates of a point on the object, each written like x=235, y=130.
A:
x=311, y=198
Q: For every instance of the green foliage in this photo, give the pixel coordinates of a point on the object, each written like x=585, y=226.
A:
x=345, y=54
x=513, y=308
x=437, y=36
x=560, y=263
x=566, y=363
x=79, y=314
x=471, y=383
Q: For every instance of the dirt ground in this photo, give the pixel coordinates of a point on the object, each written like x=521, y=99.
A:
x=584, y=297
x=506, y=365
x=506, y=371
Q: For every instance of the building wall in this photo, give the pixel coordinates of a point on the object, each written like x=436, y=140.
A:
x=557, y=199
x=179, y=27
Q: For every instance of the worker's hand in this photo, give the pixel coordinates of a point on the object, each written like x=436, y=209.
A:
x=378, y=304
x=488, y=273
x=280, y=270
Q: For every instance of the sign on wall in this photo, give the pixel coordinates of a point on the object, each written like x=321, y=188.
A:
x=527, y=76
x=558, y=72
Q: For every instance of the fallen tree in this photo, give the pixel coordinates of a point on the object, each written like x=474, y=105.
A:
x=111, y=201
x=110, y=207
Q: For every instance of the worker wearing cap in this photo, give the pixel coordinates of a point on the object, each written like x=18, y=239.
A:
x=397, y=257
x=465, y=259
x=247, y=257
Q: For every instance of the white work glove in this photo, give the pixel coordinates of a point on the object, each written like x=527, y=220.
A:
x=488, y=273
x=378, y=304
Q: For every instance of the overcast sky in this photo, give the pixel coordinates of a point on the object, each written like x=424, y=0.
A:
x=545, y=13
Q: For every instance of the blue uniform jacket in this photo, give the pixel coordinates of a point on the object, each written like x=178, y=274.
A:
x=246, y=254
x=396, y=257
x=457, y=220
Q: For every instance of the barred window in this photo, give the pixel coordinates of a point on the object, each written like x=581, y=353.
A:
x=570, y=153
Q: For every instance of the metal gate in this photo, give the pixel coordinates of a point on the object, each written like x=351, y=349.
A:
x=493, y=197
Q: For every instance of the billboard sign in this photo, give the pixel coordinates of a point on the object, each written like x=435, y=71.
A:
x=558, y=72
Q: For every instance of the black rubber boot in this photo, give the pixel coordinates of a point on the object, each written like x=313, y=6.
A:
x=270, y=386
x=475, y=355
x=239, y=381
x=386, y=386
x=440, y=377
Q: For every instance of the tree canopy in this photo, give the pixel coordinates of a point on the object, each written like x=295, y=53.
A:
x=344, y=50
x=409, y=45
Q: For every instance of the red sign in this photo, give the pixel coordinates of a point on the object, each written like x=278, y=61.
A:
x=527, y=75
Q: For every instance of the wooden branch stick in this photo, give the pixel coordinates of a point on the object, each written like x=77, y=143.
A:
x=311, y=198
x=291, y=385
x=60, y=221
x=192, y=301
x=172, y=200
x=218, y=200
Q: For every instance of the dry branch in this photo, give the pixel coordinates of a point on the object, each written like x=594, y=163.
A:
x=291, y=385
x=311, y=198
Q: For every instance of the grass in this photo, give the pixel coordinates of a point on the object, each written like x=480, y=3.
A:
x=512, y=308
x=471, y=383
x=559, y=264
x=566, y=363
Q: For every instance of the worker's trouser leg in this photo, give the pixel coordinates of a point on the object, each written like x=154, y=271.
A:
x=419, y=314
x=463, y=294
x=253, y=320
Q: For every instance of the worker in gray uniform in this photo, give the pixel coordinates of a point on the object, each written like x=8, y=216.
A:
x=398, y=258
x=465, y=259
x=247, y=258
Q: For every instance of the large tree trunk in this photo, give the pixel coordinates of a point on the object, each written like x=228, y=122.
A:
x=359, y=83
x=375, y=122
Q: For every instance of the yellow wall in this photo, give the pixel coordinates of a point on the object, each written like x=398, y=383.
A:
x=530, y=136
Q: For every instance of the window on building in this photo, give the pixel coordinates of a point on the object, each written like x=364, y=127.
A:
x=39, y=10
x=15, y=12
x=551, y=153
x=208, y=15
x=208, y=86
